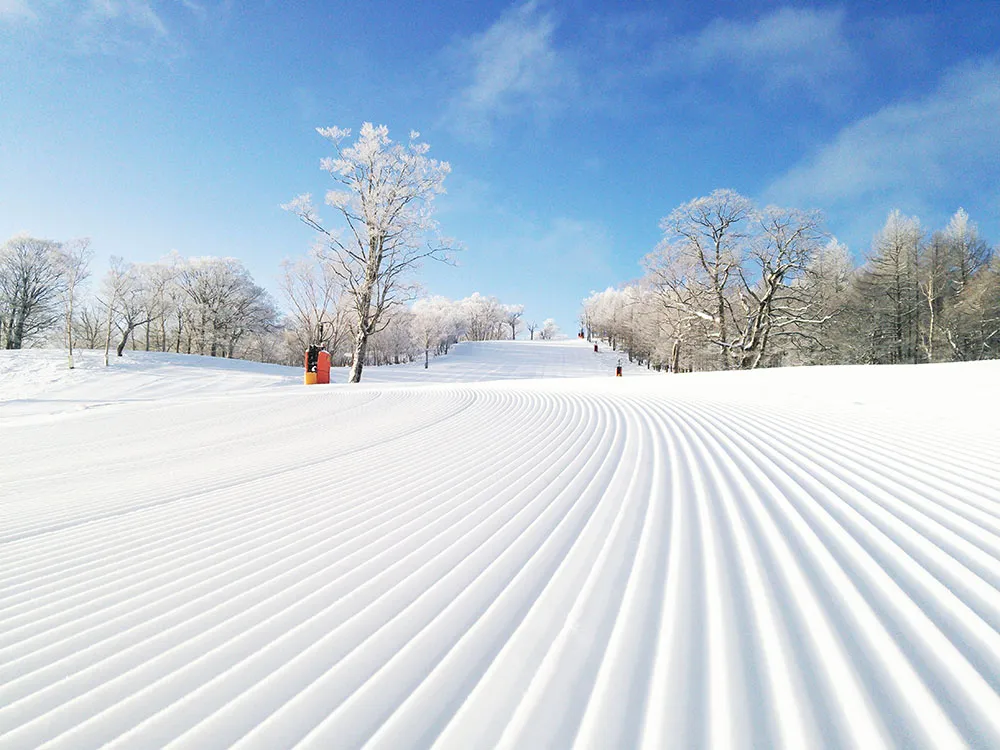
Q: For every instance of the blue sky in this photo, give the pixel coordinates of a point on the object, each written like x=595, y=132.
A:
x=571, y=128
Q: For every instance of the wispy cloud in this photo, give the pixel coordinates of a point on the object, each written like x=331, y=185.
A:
x=789, y=48
x=915, y=154
x=137, y=14
x=141, y=29
x=513, y=66
x=197, y=8
x=16, y=10
x=569, y=243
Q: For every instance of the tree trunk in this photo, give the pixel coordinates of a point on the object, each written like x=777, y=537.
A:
x=124, y=341
x=69, y=327
x=930, y=322
x=214, y=349
x=724, y=353
x=427, y=357
x=16, y=331
x=360, y=350
x=107, y=338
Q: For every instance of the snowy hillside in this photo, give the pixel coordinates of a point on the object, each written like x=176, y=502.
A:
x=510, y=549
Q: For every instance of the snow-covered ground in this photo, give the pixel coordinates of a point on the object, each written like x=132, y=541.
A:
x=512, y=548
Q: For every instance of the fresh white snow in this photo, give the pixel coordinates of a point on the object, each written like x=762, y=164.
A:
x=511, y=549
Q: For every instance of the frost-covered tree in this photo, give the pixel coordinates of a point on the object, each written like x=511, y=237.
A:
x=385, y=199
x=159, y=299
x=132, y=310
x=317, y=315
x=888, y=284
x=961, y=256
x=393, y=343
x=484, y=317
x=933, y=285
x=224, y=305
x=972, y=327
x=30, y=285
x=88, y=325
x=433, y=321
x=549, y=330
x=631, y=319
x=739, y=271
x=532, y=326
x=968, y=253
x=604, y=313
x=829, y=278
x=512, y=317
x=696, y=264
x=120, y=281
x=72, y=261
x=773, y=300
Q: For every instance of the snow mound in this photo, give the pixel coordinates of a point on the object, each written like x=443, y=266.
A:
x=461, y=558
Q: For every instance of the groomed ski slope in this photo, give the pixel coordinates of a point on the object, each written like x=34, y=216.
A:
x=510, y=549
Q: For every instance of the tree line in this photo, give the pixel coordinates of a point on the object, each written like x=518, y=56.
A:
x=214, y=307
x=196, y=305
x=733, y=286
x=322, y=312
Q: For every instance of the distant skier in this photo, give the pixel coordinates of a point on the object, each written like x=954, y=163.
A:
x=618, y=369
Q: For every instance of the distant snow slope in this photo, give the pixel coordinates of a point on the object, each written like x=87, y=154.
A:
x=511, y=549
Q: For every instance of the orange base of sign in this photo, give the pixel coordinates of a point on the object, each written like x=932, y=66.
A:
x=323, y=368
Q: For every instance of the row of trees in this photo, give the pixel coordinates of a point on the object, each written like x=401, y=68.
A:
x=734, y=286
x=432, y=325
x=322, y=312
x=195, y=305
x=213, y=306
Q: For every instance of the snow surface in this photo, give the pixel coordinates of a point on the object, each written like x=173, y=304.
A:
x=510, y=549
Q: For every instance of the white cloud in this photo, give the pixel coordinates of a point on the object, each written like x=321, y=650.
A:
x=514, y=65
x=16, y=10
x=791, y=47
x=924, y=145
x=197, y=8
x=926, y=155
x=138, y=14
x=568, y=245
x=134, y=27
